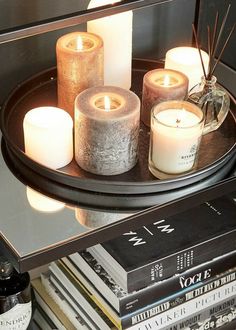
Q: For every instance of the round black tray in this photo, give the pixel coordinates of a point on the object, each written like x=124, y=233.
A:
x=217, y=148
x=101, y=201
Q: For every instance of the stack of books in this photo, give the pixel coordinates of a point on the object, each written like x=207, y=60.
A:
x=177, y=273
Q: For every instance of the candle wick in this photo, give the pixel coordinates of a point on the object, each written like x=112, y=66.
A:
x=178, y=121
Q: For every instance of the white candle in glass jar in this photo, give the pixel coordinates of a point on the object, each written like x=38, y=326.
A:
x=187, y=60
x=176, y=131
x=48, y=136
x=116, y=32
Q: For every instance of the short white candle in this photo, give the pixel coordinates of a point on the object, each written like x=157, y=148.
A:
x=187, y=60
x=116, y=32
x=42, y=203
x=48, y=136
x=175, y=137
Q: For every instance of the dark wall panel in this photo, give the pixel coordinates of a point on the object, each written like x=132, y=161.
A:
x=156, y=29
x=208, y=10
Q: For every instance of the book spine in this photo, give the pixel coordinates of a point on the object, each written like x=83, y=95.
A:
x=213, y=317
x=176, y=301
x=139, y=299
x=180, y=261
x=48, y=311
x=74, y=318
x=186, y=309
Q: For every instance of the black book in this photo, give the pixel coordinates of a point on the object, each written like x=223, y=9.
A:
x=169, y=246
x=102, y=286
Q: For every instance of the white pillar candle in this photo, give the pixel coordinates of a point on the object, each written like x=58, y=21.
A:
x=48, y=136
x=106, y=130
x=187, y=60
x=116, y=32
x=42, y=203
x=176, y=130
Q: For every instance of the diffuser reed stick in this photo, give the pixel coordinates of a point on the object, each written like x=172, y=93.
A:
x=213, y=41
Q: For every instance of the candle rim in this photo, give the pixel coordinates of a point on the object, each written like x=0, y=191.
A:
x=124, y=111
x=181, y=106
x=149, y=78
x=62, y=42
x=176, y=51
x=83, y=40
x=65, y=119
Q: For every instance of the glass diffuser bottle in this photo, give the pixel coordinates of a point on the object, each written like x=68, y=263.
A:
x=15, y=298
x=214, y=101
x=212, y=98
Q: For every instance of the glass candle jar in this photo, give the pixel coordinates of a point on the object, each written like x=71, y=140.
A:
x=176, y=130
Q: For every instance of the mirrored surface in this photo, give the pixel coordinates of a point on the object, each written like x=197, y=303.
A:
x=32, y=223
x=32, y=220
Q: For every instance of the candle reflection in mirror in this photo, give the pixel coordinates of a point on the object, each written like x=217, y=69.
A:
x=43, y=203
x=94, y=219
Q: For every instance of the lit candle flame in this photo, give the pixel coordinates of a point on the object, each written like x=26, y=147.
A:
x=79, y=43
x=107, y=103
x=166, y=80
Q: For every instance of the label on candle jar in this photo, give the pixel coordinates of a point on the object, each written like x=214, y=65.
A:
x=188, y=158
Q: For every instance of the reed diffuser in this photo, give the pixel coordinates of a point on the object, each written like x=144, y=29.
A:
x=212, y=98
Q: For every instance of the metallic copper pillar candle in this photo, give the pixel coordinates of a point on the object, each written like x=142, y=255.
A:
x=79, y=66
x=161, y=85
x=106, y=133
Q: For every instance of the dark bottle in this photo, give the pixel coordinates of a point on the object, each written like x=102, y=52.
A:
x=15, y=298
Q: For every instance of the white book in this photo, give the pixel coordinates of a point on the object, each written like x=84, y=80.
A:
x=49, y=312
x=77, y=299
x=41, y=322
x=63, y=304
x=94, y=278
x=107, y=309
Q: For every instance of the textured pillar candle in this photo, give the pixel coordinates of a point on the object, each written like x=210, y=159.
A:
x=106, y=135
x=176, y=130
x=187, y=60
x=161, y=85
x=95, y=219
x=116, y=32
x=48, y=136
x=43, y=203
x=79, y=66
